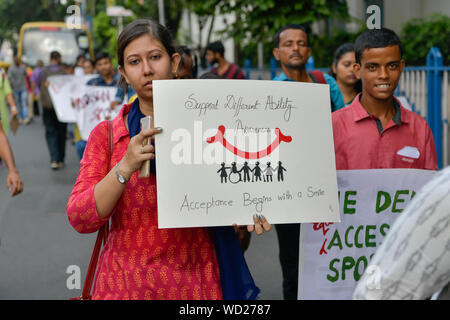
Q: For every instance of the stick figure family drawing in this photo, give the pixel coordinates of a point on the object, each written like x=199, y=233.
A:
x=258, y=173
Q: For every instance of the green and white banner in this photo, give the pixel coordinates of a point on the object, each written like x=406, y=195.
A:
x=333, y=256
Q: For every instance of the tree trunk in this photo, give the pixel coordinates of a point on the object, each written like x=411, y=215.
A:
x=173, y=22
x=200, y=47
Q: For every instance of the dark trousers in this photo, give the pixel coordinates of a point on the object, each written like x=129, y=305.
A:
x=288, y=243
x=36, y=108
x=55, y=134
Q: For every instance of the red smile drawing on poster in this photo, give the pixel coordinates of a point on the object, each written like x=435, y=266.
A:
x=219, y=137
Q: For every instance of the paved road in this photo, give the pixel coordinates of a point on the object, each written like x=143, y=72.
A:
x=37, y=243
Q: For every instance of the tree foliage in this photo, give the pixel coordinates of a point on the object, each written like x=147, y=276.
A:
x=255, y=21
x=205, y=11
x=14, y=13
x=104, y=32
x=105, y=29
x=259, y=20
x=324, y=46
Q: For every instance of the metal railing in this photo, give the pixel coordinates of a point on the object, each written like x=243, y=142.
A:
x=425, y=88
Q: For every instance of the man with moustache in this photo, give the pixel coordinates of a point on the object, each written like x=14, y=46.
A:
x=292, y=51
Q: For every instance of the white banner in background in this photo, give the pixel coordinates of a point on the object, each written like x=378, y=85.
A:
x=333, y=256
x=62, y=89
x=233, y=148
x=93, y=107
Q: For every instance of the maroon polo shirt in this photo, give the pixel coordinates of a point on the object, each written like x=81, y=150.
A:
x=233, y=72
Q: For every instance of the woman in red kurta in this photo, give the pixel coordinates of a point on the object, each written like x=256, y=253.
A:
x=140, y=261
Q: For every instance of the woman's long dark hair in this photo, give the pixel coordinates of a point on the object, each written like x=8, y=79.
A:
x=136, y=29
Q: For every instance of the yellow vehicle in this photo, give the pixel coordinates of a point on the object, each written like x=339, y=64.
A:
x=4, y=65
x=38, y=39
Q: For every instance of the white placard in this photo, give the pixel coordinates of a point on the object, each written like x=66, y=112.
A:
x=333, y=257
x=218, y=138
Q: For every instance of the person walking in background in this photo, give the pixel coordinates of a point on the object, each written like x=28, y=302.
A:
x=342, y=71
x=13, y=181
x=17, y=74
x=6, y=94
x=292, y=51
x=35, y=87
x=30, y=93
x=55, y=131
x=215, y=55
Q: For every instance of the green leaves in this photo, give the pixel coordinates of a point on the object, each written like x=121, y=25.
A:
x=14, y=13
x=270, y=15
x=261, y=19
x=104, y=32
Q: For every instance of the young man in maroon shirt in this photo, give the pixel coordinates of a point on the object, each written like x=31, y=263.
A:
x=227, y=70
x=375, y=131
